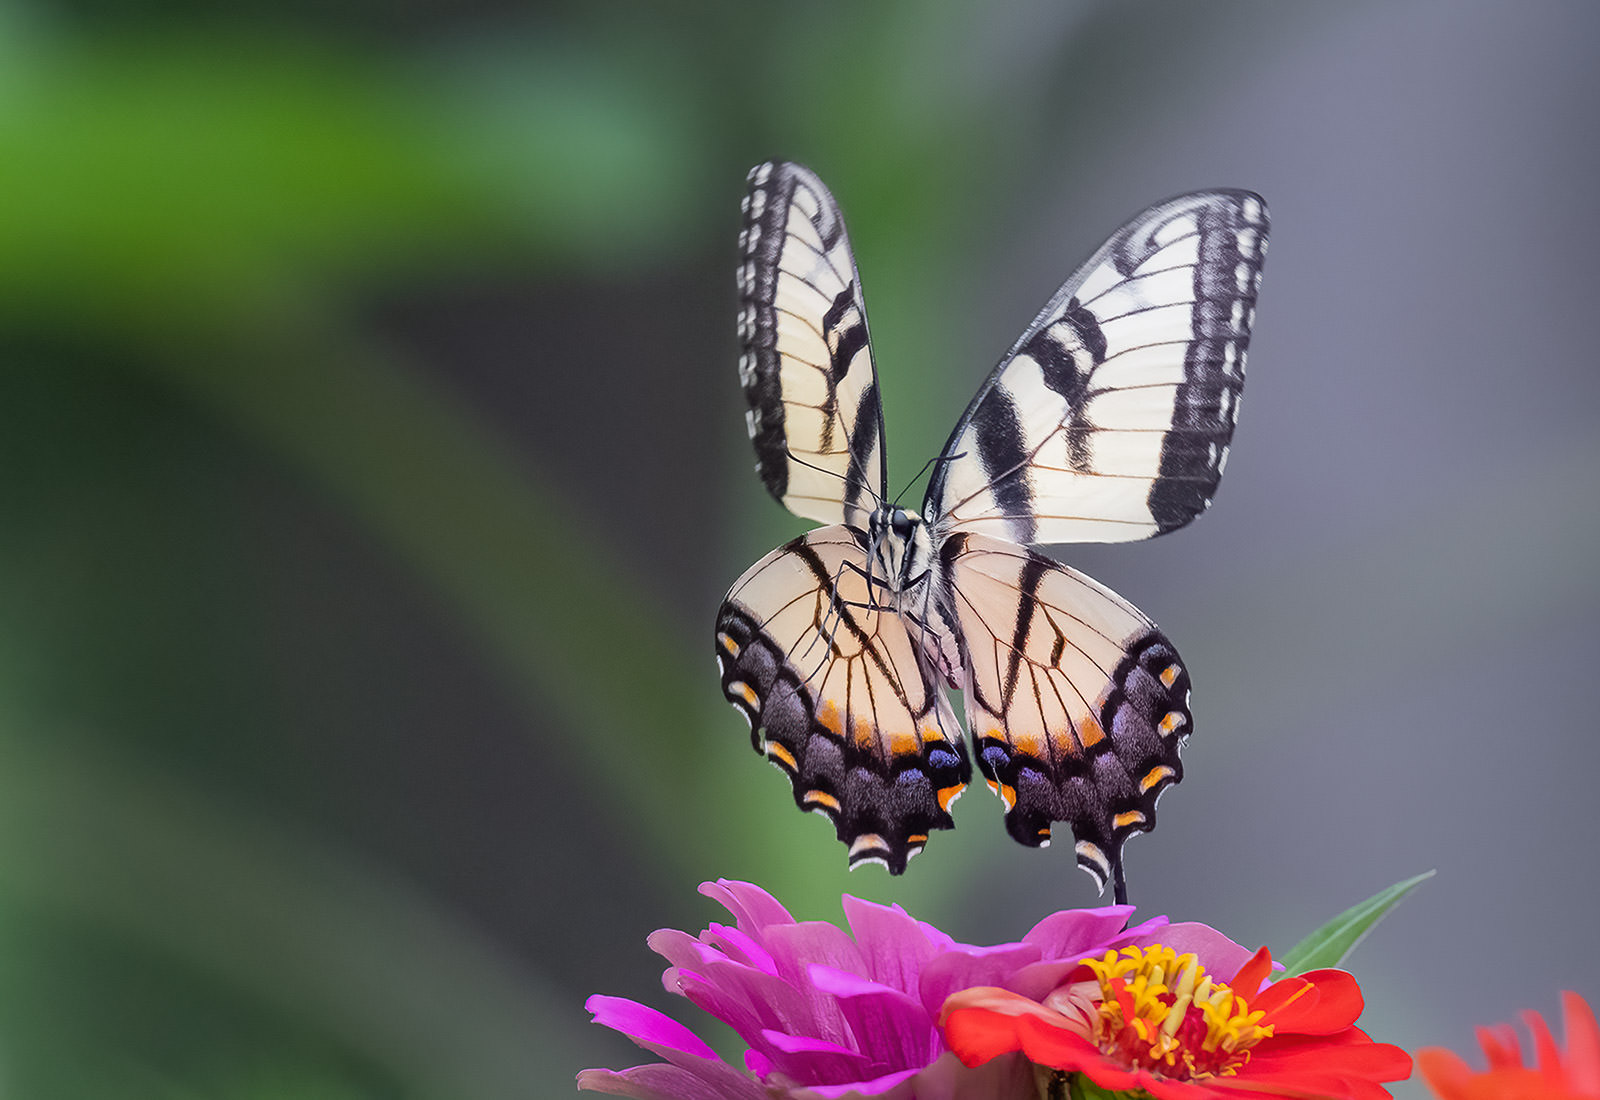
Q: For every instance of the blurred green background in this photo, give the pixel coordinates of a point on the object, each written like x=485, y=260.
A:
x=372, y=463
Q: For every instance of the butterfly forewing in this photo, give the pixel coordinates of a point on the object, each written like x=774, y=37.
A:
x=1110, y=418
x=839, y=696
x=805, y=360
x=1076, y=703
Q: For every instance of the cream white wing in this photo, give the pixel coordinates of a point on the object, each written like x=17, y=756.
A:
x=805, y=360
x=1077, y=704
x=832, y=680
x=1111, y=417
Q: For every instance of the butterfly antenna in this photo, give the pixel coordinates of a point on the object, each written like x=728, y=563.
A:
x=877, y=501
x=913, y=481
x=935, y=462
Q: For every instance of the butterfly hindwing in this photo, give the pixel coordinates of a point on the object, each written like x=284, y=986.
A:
x=839, y=697
x=1110, y=418
x=1077, y=705
x=805, y=360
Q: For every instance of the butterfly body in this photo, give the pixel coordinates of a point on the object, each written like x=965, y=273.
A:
x=1108, y=420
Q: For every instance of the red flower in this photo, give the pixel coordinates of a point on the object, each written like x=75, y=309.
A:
x=1576, y=1076
x=1148, y=1018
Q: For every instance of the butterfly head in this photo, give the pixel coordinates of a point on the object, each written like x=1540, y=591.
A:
x=899, y=547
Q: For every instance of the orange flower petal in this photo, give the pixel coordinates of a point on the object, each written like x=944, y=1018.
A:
x=1546, y=1055
x=1583, y=1045
x=1445, y=1073
x=1499, y=1045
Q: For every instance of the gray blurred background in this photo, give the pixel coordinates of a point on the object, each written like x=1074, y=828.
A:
x=372, y=463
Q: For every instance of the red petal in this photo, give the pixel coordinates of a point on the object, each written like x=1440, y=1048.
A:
x=978, y=1035
x=1250, y=976
x=1302, y=1085
x=1163, y=1089
x=1362, y=1089
x=1058, y=1048
x=1583, y=1045
x=1317, y=1003
x=1349, y=1055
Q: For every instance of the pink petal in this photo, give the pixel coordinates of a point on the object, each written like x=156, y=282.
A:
x=1008, y=1077
x=875, y=1087
x=964, y=967
x=794, y=947
x=663, y=1082
x=652, y=1030
x=892, y=1029
x=809, y=1061
x=681, y=949
x=1216, y=952
x=740, y=947
x=1037, y=981
x=894, y=944
x=752, y=907
x=751, y=1001
x=1074, y=933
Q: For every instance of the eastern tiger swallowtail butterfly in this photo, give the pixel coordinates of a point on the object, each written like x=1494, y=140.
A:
x=1108, y=420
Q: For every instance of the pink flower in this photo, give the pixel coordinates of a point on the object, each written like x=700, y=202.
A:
x=825, y=1013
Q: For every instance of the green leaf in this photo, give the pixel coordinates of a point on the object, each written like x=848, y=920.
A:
x=1081, y=1088
x=1331, y=944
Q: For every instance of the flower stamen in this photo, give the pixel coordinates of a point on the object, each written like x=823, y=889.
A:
x=1192, y=1029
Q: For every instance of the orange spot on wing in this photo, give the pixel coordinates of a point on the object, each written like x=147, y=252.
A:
x=1131, y=817
x=932, y=734
x=1155, y=776
x=948, y=795
x=750, y=695
x=1089, y=732
x=830, y=719
x=781, y=754
x=904, y=744
x=822, y=799
x=917, y=838
x=864, y=732
x=1008, y=796
x=1170, y=674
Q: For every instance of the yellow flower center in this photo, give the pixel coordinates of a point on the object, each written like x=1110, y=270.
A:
x=1159, y=1011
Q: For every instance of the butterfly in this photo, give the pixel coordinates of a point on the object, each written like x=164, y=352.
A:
x=1108, y=420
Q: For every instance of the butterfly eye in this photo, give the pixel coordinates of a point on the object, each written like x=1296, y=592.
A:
x=902, y=523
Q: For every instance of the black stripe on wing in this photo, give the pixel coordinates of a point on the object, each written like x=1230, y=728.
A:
x=1206, y=405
